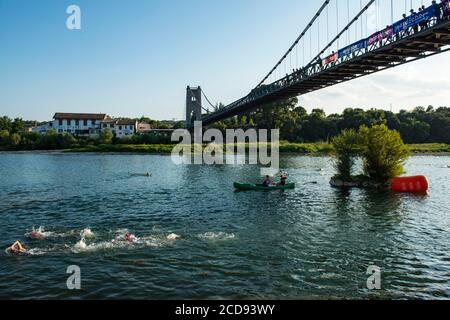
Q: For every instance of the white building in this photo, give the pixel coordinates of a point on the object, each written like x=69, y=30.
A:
x=91, y=125
x=121, y=127
x=78, y=124
x=42, y=129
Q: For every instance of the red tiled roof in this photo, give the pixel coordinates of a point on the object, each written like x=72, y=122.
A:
x=126, y=122
x=80, y=116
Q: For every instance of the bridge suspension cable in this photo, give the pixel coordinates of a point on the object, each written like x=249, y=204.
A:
x=310, y=24
x=207, y=100
x=342, y=32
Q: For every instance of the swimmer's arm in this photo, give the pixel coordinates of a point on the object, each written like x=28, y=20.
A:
x=21, y=248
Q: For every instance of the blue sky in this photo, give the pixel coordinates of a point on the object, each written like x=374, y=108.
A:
x=136, y=57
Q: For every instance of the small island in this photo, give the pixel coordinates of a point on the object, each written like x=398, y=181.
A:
x=381, y=152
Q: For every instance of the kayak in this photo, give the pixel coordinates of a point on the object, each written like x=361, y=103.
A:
x=260, y=187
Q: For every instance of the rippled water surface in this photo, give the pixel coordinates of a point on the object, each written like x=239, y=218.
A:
x=312, y=242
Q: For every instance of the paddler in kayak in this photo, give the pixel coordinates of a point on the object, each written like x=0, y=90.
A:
x=17, y=248
x=267, y=182
x=283, y=180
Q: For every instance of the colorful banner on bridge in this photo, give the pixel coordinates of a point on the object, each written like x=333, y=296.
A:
x=331, y=58
x=415, y=19
x=352, y=48
x=380, y=35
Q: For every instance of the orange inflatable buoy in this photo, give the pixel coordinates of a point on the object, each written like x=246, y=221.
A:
x=416, y=184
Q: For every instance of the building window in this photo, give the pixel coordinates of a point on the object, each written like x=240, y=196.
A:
x=85, y=123
x=120, y=127
x=77, y=122
x=105, y=125
x=69, y=122
x=60, y=122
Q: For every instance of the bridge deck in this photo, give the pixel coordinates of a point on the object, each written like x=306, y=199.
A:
x=407, y=46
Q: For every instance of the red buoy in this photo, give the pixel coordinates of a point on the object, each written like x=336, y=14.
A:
x=416, y=184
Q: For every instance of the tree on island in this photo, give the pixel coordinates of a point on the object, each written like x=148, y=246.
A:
x=384, y=153
x=382, y=150
x=347, y=147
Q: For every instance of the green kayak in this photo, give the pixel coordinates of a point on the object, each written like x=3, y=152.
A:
x=260, y=187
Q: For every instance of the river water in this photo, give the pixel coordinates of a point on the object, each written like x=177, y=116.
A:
x=314, y=242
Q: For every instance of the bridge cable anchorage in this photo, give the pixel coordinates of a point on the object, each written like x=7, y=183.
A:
x=341, y=33
x=324, y=5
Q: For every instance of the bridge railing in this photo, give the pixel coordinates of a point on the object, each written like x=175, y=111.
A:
x=318, y=67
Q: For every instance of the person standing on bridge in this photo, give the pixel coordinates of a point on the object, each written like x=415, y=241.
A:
x=319, y=62
x=416, y=26
x=445, y=8
x=423, y=25
x=404, y=16
x=438, y=10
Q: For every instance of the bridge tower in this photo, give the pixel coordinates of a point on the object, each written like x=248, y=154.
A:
x=193, y=105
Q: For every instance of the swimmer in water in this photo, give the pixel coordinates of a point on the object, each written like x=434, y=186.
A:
x=172, y=237
x=87, y=234
x=17, y=248
x=37, y=234
x=130, y=237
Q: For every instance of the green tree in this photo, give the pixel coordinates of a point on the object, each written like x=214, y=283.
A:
x=353, y=118
x=347, y=146
x=5, y=124
x=14, y=140
x=106, y=137
x=440, y=128
x=415, y=131
x=383, y=152
x=4, y=137
x=18, y=126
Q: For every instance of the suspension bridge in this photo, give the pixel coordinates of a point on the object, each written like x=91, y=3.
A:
x=360, y=47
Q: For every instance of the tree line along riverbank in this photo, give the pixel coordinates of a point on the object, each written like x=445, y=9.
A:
x=285, y=147
x=425, y=130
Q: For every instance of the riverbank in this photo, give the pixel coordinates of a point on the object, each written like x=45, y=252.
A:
x=297, y=148
x=430, y=148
